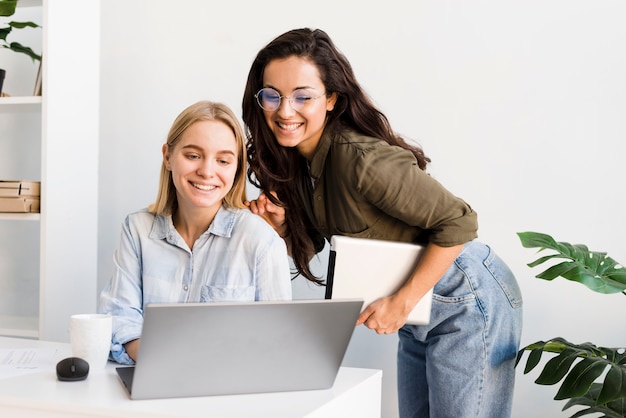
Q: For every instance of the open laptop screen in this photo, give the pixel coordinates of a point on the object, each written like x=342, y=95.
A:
x=200, y=349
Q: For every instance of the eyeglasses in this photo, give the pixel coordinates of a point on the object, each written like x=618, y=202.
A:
x=269, y=99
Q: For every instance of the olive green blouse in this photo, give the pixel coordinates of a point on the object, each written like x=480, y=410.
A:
x=363, y=187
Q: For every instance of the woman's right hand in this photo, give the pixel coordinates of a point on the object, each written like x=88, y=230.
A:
x=273, y=214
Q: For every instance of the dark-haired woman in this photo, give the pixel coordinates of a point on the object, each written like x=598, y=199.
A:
x=328, y=162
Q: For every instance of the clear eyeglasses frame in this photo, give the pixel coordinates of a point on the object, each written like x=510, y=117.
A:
x=270, y=100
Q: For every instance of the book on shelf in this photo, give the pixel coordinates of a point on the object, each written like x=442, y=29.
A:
x=19, y=196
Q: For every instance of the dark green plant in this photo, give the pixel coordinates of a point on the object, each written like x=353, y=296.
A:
x=7, y=8
x=580, y=366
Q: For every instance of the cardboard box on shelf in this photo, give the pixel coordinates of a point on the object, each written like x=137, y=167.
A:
x=19, y=204
x=18, y=188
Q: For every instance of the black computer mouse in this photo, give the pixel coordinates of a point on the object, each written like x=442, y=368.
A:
x=72, y=369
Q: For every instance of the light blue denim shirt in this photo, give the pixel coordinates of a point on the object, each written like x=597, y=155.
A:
x=239, y=258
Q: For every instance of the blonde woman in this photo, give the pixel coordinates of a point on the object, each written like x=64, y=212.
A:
x=198, y=242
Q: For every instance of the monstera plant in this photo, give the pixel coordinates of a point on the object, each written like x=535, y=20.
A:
x=592, y=376
x=7, y=8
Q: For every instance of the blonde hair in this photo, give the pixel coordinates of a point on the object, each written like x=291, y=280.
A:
x=166, y=201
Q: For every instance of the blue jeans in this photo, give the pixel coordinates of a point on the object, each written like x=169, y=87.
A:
x=463, y=363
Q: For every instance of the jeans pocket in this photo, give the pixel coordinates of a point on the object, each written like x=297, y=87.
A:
x=504, y=277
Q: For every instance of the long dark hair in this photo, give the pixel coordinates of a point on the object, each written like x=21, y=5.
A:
x=276, y=168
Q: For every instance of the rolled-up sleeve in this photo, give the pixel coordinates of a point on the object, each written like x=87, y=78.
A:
x=122, y=296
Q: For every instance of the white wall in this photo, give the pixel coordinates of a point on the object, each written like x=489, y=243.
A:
x=520, y=104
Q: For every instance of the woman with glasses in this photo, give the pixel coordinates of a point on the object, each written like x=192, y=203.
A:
x=198, y=242
x=328, y=163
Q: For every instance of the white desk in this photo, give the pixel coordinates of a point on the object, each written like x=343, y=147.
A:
x=356, y=393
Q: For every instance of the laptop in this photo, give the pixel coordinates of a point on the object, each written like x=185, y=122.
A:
x=370, y=269
x=225, y=348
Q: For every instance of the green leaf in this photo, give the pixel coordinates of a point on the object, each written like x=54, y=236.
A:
x=614, y=409
x=614, y=386
x=17, y=47
x=22, y=25
x=580, y=378
x=533, y=359
x=559, y=270
x=537, y=239
x=543, y=260
x=4, y=32
x=7, y=7
x=593, y=269
x=557, y=367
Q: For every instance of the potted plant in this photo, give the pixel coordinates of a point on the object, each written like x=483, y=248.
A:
x=7, y=8
x=593, y=376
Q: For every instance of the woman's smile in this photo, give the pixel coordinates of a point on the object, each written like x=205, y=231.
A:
x=203, y=187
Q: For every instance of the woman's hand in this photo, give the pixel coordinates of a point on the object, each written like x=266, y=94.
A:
x=273, y=214
x=386, y=315
x=131, y=348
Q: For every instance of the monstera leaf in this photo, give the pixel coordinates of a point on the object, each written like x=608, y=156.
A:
x=595, y=270
x=592, y=376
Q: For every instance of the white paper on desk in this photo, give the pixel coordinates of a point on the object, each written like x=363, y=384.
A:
x=21, y=361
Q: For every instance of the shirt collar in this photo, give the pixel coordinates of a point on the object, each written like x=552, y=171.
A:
x=316, y=165
x=222, y=225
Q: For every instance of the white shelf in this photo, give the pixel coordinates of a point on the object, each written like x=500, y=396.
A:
x=20, y=103
x=5, y=216
x=18, y=100
x=29, y=3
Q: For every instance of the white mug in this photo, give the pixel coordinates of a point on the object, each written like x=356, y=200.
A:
x=90, y=337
